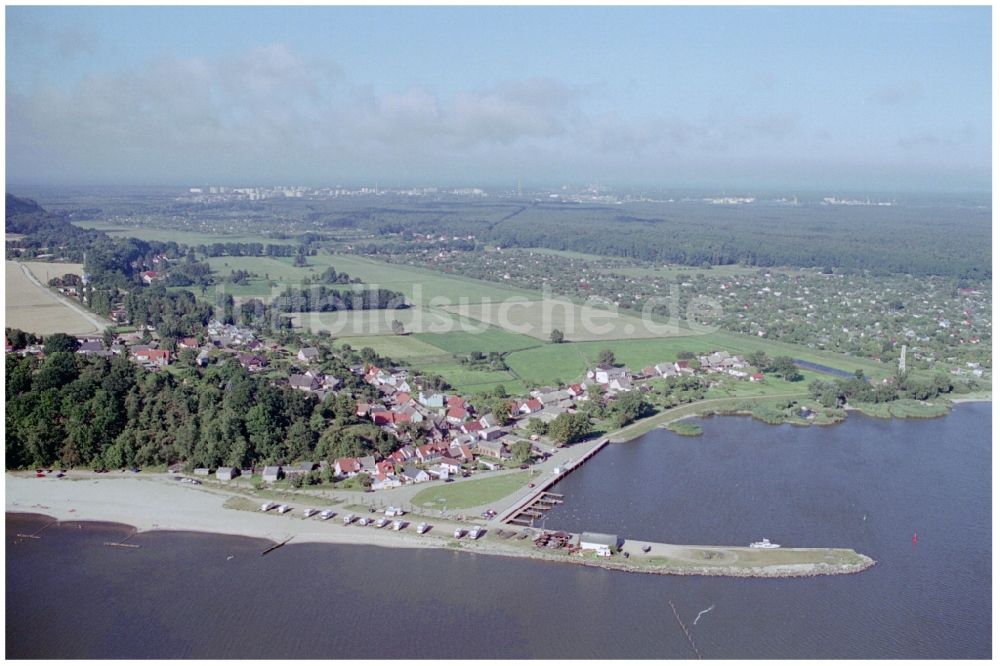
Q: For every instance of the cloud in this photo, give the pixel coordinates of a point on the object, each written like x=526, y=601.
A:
x=897, y=94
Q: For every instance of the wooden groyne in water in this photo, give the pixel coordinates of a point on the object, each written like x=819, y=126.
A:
x=275, y=546
x=527, y=508
x=122, y=544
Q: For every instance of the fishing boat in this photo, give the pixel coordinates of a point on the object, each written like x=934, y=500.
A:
x=393, y=511
x=326, y=515
x=764, y=543
x=284, y=508
x=475, y=532
x=397, y=525
x=381, y=522
x=459, y=533
x=422, y=527
x=364, y=522
x=349, y=518
x=267, y=506
x=308, y=512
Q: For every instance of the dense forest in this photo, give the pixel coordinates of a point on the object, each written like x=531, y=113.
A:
x=99, y=412
x=880, y=239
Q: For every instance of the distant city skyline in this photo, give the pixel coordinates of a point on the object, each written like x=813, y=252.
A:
x=725, y=98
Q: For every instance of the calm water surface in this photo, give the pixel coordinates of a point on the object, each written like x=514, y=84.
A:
x=866, y=484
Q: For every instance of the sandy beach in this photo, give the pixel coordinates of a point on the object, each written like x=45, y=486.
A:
x=157, y=502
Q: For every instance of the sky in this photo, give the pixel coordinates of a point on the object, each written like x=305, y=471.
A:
x=860, y=98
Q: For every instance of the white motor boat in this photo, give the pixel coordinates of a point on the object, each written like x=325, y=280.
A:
x=308, y=512
x=284, y=508
x=326, y=515
x=267, y=506
x=764, y=543
x=422, y=527
x=381, y=522
x=397, y=525
x=476, y=532
x=349, y=518
x=459, y=533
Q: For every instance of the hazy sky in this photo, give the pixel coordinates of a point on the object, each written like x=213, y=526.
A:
x=843, y=97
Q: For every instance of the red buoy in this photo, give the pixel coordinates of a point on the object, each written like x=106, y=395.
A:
x=914, y=537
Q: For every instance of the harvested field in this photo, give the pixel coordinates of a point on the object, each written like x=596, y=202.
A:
x=33, y=308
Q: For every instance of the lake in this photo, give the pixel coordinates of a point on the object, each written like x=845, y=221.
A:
x=866, y=484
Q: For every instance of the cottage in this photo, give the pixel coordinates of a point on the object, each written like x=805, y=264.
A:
x=451, y=465
x=227, y=473
x=304, y=382
x=202, y=471
x=604, y=373
x=187, y=343
x=252, y=362
x=620, y=384
x=202, y=359
x=665, y=369
x=530, y=406
x=271, y=473
x=367, y=465
x=604, y=544
x=308, y=354
x=411, y=474
x=90, y=347
x=346, y=467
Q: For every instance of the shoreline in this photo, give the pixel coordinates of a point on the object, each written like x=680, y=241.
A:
x=153, y=504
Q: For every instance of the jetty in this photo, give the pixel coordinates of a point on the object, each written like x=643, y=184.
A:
x=526, y=509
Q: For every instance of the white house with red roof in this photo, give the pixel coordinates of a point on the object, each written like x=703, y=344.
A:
x=346, y=467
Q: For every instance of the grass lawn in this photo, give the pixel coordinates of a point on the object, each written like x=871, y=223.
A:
x=491, y=339
x=467, y=380
x=577, y=321
x=397, y=347
x=466, y=494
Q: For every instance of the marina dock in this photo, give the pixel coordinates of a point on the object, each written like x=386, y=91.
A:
x=525, y=510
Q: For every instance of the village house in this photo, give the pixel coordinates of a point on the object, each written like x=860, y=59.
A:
x=490, y=434
x=412, y=474
x=252, y=362
x=665, y=369
x=432, y=400
x=151, y=276
x=187, y=343
x=147, y=356
x=346, y=467
x=271, y=473
x=304, y=383
x=367, y=465
x=308, y=355
x=529, y=406
x=451, y=465
x=492, y=449
x=620, y=384
x=604, y=373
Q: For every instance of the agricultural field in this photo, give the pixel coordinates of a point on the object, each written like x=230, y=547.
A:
x=464, y=379
x=33, y=308
x=578, y=322
x=365, y=323
x=46, y=270
x=420, y=286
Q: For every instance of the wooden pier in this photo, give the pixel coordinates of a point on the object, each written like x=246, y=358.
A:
x=527, y=509
x=275, y=546
x=122, y=544
x=34, y=535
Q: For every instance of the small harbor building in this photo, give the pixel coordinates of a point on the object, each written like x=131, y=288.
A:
x=271, y=473
x=604, y=544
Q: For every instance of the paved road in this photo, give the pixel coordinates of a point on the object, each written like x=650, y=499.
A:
x=98, y=323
